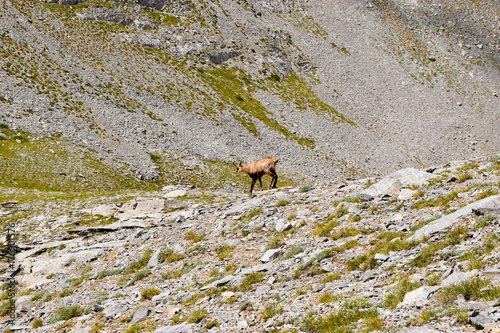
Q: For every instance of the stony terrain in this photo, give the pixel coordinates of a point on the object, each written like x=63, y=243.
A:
x=416, y=251
x=334, y=89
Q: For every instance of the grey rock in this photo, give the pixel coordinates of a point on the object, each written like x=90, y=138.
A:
x=482, y=320
x=258, y=268
x=405, y=194
x=139, y=315
x=419, y=295
x=270, y=255
x=218, y=283
x=455, y=278
x=449, y=220
x=271, y=211
x=23, y=303
x=493, y=272
x=405, y=177
x=381, y=257
x=153, y=261
x=477, y=306
x=175, y=194
x=182, y=328
x=115, y=310
x=281, y=226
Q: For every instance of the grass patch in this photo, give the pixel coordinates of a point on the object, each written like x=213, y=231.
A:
x=249, y=280
x=421, y=224
x=303, y=267
x=193, y=237
x=487, y=193
x=439, y=202
x=305, y=189
x=106, y=273
x=294, y=251
x=398, y=293
x=149, y=293
x=325, y=228
x=139, y=276
x=282, y=203
x=454, y=237
x=484, y=221
x=345, y=320
x=270, y=311
x=168, y=255
x=67, y=313
x=251, y=214
x=326, y=298
x=224, y=251
x=196, y=316
x=468, y=166
x=473, y=289
x=348, y=232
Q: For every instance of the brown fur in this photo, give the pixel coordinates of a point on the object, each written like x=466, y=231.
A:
x=258, y=169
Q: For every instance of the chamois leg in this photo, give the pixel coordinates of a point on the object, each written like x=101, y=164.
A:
x=251, y=187
x=260, y=182
x=274, y=180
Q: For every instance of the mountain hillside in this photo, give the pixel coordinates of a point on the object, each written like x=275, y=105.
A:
x=414, y=251
x=333, y=89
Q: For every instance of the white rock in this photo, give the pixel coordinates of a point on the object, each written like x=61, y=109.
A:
x=449, y=220
x=406, y=194
x=271, y=255
x=175, y=194
x=281, y=226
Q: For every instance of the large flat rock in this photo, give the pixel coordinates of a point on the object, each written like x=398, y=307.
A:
x=448, y=221
x=402, y=178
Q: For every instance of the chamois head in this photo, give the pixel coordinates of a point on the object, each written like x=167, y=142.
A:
x=239, y=167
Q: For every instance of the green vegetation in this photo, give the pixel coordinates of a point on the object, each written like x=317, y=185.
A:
x=249, y=280
x=251, y=214
x=186, y=268
x=310, y=264
x=348, y=232
x=326, y=298
x=193, y=237
x=138, y=264
x=485, y=220
x=486, y=193
x=439, y=202
x=398, y=293
x=196, y=316
x=224, y=251
x=149, y=293
x=37, y=323
x=139, y=276
x=454, y=237
x=106, y=273
x=282, y=203
x=345, y=320
x=323, y=229
x=473, y=289
x=168, y=256
x=270, y=311
x=67, y=313
x=305, y=188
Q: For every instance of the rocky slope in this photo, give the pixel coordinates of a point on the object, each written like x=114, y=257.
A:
x=416, y=251
x=332, y=89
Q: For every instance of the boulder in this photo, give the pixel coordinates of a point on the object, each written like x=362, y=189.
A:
x=391, y=184
x=271, y=255
x=447, y=221
x=140, y=314
x=149, y=207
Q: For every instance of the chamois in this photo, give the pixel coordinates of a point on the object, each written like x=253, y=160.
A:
x=258, y=169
